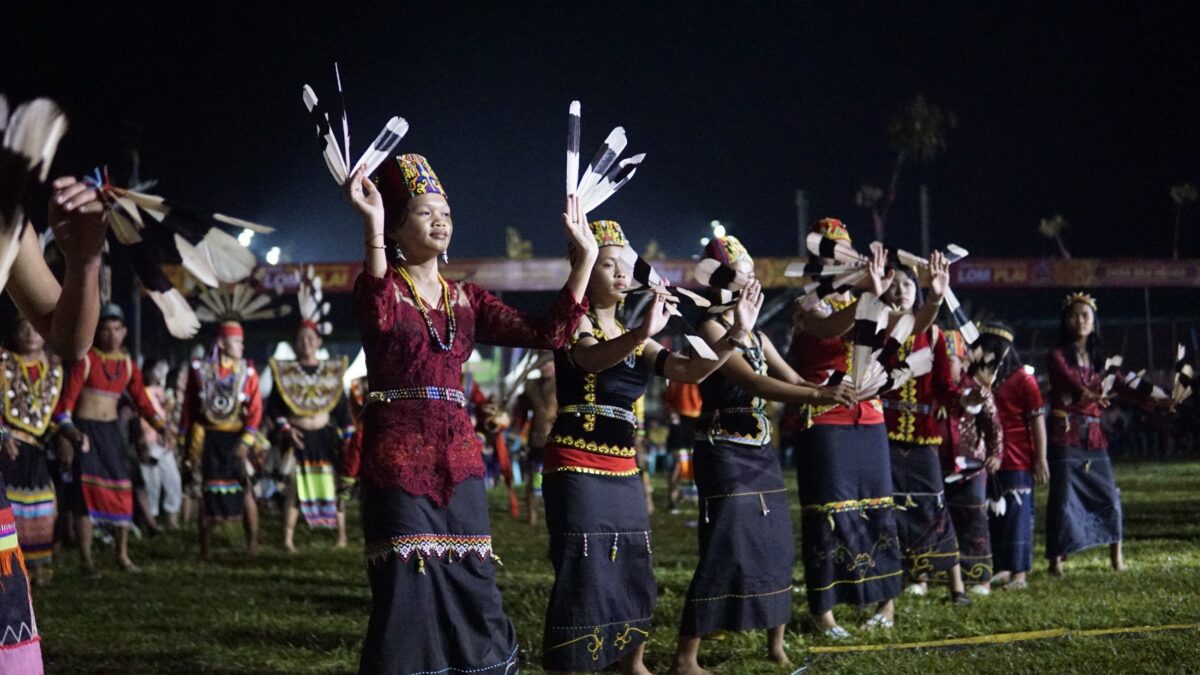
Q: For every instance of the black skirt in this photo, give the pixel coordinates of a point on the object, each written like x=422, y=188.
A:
x=604, y=591
x=223, y=476
x=967, y=501
x=744, y=578
x=928, y=547
x=848, y=528
x=1084, y=509
x=1012, y=533
x=435, y=607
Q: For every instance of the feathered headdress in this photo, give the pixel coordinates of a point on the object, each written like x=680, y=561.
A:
x=313, y=308
x=337, y=157
x=238, y=302
x=31, y=137
x=604, y=175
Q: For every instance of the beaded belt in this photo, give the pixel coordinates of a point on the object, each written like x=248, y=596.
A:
x=918, y=408
x=602, y=410
x=428, y=393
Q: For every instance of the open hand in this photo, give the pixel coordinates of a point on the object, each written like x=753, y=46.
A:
x=655, y=318
x=745, y=313
x=579, y=233
x=939, y=275
x=877, y=272
x=364, y=197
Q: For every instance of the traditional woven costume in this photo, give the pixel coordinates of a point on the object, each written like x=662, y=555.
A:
x=744, y=578
x=1084, y=507
x=222, y=409
x=1018, y=403
x=927, y=540
x=102, y=487
x=604, y=590
x=31, y=390
x=315, y=392
x=435, y=605
x=848, y=529
x=973, y=436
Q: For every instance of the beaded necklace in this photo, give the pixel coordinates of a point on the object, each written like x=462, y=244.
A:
x=630, y=358
x=451, y=321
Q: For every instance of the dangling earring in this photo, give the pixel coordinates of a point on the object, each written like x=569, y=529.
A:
x=446, y=257
x=400, y=254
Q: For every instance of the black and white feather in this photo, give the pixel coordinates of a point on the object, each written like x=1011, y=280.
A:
x=31, y=136
x=310, y=298
x=953, y=254
x=337, y=155
x=604, y=175
x=238, y=302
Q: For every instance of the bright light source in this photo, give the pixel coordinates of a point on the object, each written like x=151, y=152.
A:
x=718, y=230
x=714, y=223
x=704, y=241
x=273, y=256
x=245, y=237
x=1029, y=369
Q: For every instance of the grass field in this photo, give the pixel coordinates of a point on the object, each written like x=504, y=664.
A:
x=308, y=613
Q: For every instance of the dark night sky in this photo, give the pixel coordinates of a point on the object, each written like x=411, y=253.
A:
x=1087, y=111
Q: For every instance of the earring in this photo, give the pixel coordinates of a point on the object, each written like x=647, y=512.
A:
x=400, y=254
x=446, y=257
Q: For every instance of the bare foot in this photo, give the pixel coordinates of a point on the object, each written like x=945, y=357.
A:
x=290, y=549
x=341, y=543
x=1056, y=568
x=127, y=565
x=780, y=658
x=687, y=669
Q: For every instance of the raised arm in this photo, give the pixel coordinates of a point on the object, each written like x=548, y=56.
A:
x=681, y=368
x=939, y=273
x=66, y=316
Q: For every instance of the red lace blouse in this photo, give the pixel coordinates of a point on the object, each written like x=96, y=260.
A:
x=427, y=447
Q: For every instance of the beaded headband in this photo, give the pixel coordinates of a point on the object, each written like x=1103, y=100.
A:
x=1079, y=297
x=998, y=332
x=832, y=228
x=608, y=233
x=955, y=346
x=727, y=250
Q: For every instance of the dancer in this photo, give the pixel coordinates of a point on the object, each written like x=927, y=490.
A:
x=423, y=498
x=743, y=580
x=1084, y=509
x=65, y=316
x=89, y=429
x=848, y=527
x=683, y=401
x=156, y=452
x=604, y=590
x=221, y=414
x=32, y=383
x=312, y=421
x=928, y=545
x=539, y=404
x=972, y=449
x=1022, y=416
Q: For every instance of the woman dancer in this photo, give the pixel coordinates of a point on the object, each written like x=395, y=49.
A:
x=849, y=544
x=604, y=590
x=744, y=578
x=1084, y=509
x=927, y=540
x=972, y=436
x=423, y=499
x=32, y=383
x=1023, y=425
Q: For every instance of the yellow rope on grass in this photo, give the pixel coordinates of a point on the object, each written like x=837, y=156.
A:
x=1002, y=638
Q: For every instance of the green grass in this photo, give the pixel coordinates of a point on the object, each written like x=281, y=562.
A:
x=308, y=613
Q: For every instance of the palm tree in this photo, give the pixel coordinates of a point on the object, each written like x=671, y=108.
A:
x=917, y=133
x=517, y=248
x=1052, y=228
x=1181, y=195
